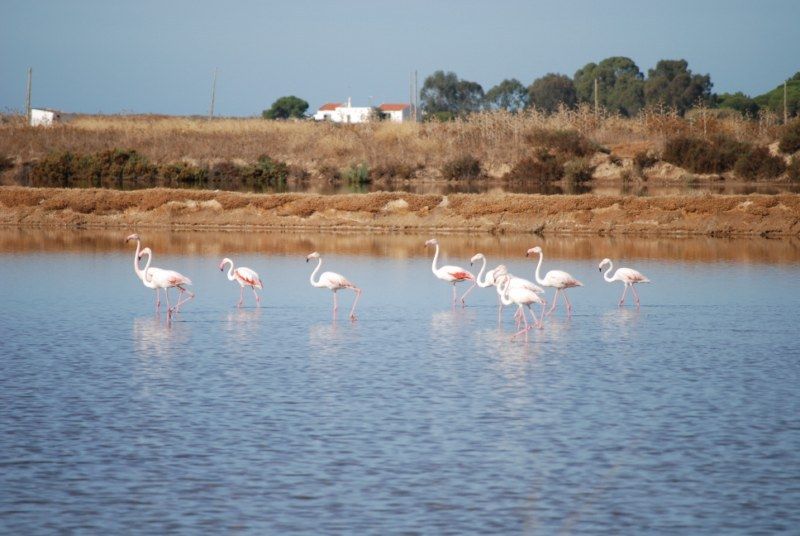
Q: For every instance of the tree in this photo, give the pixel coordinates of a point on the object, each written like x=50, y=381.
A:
x=773, y=100
x=445, y=92
x=550, y=91
x=672, y=84
x=738, y=101
x=620, y=84
x=509, y=95
x=286, y=107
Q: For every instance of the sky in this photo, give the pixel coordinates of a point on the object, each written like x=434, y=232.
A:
x=146, y=56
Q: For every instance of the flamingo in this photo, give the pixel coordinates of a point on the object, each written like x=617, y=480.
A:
x=158, y=278
x=334, y=282
x=515, y=282
x=556, y=279
x=497, y=275
x=139, y=272
x=523, y=297
x=245, y=277
x=628, y=276
x=451, y=274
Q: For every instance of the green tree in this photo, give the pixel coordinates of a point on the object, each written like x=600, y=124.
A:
x=286, y=107
x=738, y=101
x=550, y=91
x=445, y=92
x=773, y=100
x=672, y=84
x=620, y=84
x=508, y=95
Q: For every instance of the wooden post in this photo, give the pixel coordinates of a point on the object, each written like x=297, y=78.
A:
x=596, y=98
x=28, y=97
x=213, y=95
x=416, y=96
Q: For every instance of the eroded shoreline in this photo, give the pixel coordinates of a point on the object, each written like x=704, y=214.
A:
x=396, y=212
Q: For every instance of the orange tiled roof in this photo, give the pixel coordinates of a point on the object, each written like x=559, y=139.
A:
x=386, y=107
x=329, y=106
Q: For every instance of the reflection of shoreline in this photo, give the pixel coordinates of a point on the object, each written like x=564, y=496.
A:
x=402, y=246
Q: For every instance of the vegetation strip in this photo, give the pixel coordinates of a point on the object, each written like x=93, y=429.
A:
x=713, y=215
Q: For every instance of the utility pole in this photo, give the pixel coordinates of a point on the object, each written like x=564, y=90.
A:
x=785, y=106
x=213, y=95
x=28, y=97
x=596, y=98
x=416, y=96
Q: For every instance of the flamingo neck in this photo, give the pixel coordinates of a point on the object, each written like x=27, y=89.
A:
x=139, y=273
x=146, y=267
x=230, y=270
x=504, y=292
x=605, y=275
x=482, y=284
x=311, y=279
x=435, y=258
x=539, y=267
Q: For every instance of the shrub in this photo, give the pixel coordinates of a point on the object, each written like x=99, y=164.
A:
x=183, y=175
x=757, y=163
x=703, y=156
x=357, y=175
x=270, y=172
x=543, y=167
x=392, y=170
x=793, y=169
x=643, y=160
x=569, y=142
x=790, y=139
x=6, y=162
x=578, y=170
x=463, y=167
x=55, y=170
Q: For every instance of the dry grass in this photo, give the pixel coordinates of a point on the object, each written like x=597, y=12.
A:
x=494, y=138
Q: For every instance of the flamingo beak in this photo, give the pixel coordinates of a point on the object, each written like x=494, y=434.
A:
x=306, y=259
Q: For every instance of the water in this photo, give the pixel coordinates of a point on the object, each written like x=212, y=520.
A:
x=682, y=417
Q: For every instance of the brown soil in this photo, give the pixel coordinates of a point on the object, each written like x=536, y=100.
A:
x=711, y=215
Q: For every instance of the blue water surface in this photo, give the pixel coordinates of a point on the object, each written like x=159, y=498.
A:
x=680, y=418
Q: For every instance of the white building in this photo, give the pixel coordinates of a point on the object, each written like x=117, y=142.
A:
x=44, y=117
x=347, y=113
x=398, y=113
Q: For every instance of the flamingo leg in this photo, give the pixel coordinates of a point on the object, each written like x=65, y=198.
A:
x=158, y=300
x=181, y=299
x=624, y=290
x=454, y=295
x=463, y=303
x=635, y=295
x=335, y=305
x=541, y=320
x=525, y=320
x=241, y=298
x=569, y=305
x=555, y=302
x=258, y=300
x=353, y=310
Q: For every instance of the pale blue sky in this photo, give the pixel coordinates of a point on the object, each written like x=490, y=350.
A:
x=149, y=56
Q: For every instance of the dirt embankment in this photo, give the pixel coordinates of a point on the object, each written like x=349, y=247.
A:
x=711, y=215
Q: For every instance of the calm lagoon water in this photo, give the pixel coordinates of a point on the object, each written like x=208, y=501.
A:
x=682, y=417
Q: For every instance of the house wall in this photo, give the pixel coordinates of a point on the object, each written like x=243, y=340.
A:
x=43, y=118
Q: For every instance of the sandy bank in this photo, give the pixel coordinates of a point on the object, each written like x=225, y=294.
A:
x=710, y=215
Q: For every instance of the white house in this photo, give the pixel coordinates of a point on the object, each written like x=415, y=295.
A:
x=398, y=113
x=44, y=117
x=347, y=113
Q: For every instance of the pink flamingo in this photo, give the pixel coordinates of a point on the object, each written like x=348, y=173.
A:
x=451, y=274
x=139, y=272
x=628, y=276
x=158, y=278
x=334, y=282
x=497, y=275
x=523, y=297
x=245, y=277
x=517, y=283
x=556, y=279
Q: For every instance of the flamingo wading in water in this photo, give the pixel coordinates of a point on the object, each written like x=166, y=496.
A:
x=556, y=279
x=245, y=277
x=628, y=277
x=158, y=278
x=451, y=274
x=523, y=297
x=334, y=282
x=139, y=272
